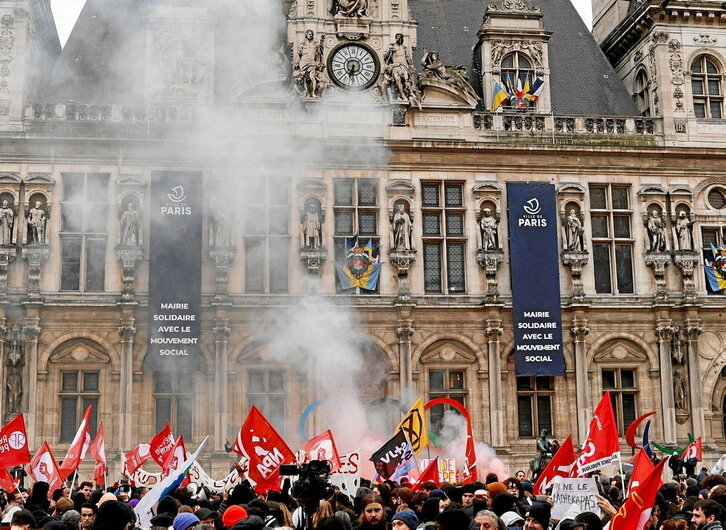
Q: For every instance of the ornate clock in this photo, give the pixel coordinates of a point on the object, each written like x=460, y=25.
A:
x=353, y=66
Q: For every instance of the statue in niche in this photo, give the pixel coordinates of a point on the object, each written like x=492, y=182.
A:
x=680, y=392
x=574, y=231
x=454, y=76
x=37, y=220
x=221, y=230
x=311, y=227
x=656, y=232
x=309, y=66
x=7, y=222
x=130, y=226
x=15, y=361
x=489, y=228
x=677, y=346
x=402, y=228
x=398, y=71
x=684, y=232
x=350, y=8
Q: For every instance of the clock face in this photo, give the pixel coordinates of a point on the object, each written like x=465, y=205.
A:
x=353, y=66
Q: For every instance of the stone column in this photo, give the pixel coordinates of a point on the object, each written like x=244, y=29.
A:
x=496, y=400
x=693, y=329
x=405, y=332
x=664, y=332
x=221, y=335
x=579, y=331
x=127, y=330
x=3, y=372
x=31, y=330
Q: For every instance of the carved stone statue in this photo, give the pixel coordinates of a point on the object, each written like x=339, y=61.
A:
x=130, y=225
x=678, y=355
x=402, y=228
x=7, y=222
x=350, y=8
x=544, y=454
x=308, y=66
x=656, y=232
x=37, y=219
x=680, y=392
x=311, y=228
x=15, y=361
x=15, y=392
x=399, y=72
x=454, y=76
x=489, y=228
x=574, y=231
x=684, y=232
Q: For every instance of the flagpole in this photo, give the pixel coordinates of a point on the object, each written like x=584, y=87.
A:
x=73, y=480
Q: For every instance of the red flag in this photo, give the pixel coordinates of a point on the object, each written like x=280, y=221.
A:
x=322, y=447
x=14, y=443
x=80, y=444
x=469, y=472
x=560, y=466
x=642, y=467
x=135, y=458
x=430, y=473
x=7, y=482
x=694, y=450
x=266, y=449
x=175, y=457
x=98, y=450
x=43, y=467
x=161, y=444
x=602, y=445
x=635, y=512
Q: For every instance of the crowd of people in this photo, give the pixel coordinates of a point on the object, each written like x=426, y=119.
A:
x=695, y=502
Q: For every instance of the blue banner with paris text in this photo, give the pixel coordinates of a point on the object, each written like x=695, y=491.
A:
x=533, y=252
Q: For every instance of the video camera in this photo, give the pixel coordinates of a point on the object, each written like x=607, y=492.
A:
x=313, y=485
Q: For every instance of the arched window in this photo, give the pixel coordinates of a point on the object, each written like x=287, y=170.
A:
x=517, y=70
x=642, y=93
x=706, y=86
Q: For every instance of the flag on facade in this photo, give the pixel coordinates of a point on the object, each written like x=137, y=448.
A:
x=501, y=97
x=387, y=458
x=413, y=426
x=14, y=443
x=44, y=467
x=361, y=267
x=145, y=508
x=693, y=450
x=322, y=447
x=519, y=92
x=79, y=446
x=161, y=444
x=98, y=451
x=635, y=511
x=602, y=445
x=7, y=482
x=266, y=449
x=135, y=458
x=560, y=466
x=430, y=473
x=715, y=267
x=509, y=86
x=536, y=89
x=642, y=468
x=406, y=464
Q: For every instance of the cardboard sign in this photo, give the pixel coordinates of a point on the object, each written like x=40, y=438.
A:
x=581, y=492
x=447, y=468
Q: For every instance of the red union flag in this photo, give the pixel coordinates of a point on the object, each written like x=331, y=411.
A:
x=642, y=467
x=694, y=450
x=430, y=473
x=43, y=467
x=602, y=444
x=98, y=450
x=79, y=446
x=161, y=444
x=635, y=512
x=469, y=472
x=14, y=443
x=135, y=458
x=7, y=482
x=322, y=447
x=267, y=451
x=560, y=466
x=175, y=457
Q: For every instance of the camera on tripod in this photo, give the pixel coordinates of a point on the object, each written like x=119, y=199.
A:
x=312, y=486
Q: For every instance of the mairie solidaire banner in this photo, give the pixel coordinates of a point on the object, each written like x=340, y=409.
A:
x=175, y=271
x=533, y=250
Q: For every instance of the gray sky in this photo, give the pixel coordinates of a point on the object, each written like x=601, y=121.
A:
x=66, y=12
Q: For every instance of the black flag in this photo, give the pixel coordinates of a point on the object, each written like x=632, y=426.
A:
x=387, y=458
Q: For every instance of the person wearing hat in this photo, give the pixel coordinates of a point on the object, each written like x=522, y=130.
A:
x=233, y=515
x=538, y=516
x=453, y=519
x=184, y=520
x=512, y=519
x=404, y=520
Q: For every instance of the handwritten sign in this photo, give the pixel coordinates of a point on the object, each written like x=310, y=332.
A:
x=581, y=492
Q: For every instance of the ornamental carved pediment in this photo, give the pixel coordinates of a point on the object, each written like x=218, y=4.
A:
x=448, y=352
x=619, y=351
x=80, y=351
x=501, y=47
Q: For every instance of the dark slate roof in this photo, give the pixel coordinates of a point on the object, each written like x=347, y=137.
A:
x=103, y=60
x=582, y=82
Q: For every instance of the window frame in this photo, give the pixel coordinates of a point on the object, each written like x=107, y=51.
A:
x=80, y=394
x=533, y=394
x=179, y=390
x=617, y=393
x=518, y=72
x=641, y=93
x=447, y=391
x=705, y=78
x=267, y=369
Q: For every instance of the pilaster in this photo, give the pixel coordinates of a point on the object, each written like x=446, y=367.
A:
x=496, y=399
x=31, y=332
x=664, y=333
x=127, y=330
x=579, y=332
x=221, y=336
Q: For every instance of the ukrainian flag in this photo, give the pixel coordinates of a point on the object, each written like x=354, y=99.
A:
x=500, y=96
x=715, y=266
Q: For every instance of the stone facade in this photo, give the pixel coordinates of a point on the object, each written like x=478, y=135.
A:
x=664, y=328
